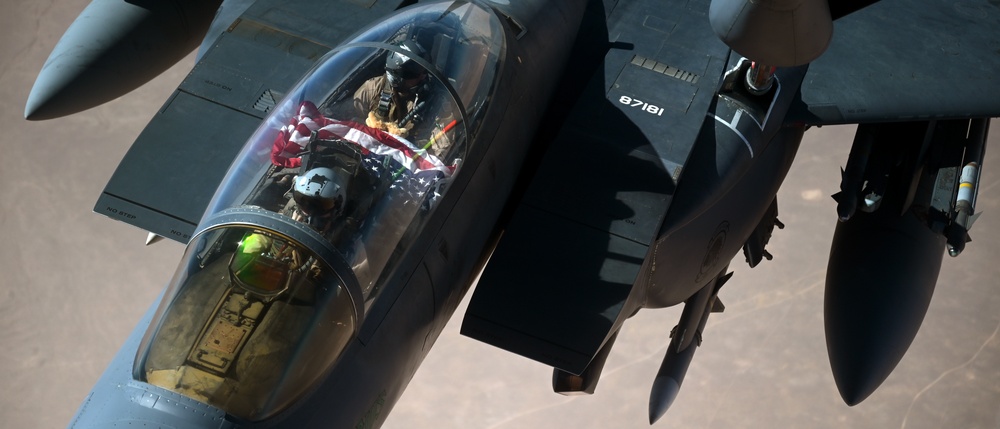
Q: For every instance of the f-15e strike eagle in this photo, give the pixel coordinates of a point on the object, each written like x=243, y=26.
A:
x=342, y=170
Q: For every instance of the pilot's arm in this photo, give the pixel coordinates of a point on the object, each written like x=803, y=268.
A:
x=367, y=95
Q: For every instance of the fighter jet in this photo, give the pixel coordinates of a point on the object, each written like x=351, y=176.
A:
x=625, y=152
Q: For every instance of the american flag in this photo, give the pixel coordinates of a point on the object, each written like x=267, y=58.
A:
x=293, y=137
x=414, y=172
x=407, y=185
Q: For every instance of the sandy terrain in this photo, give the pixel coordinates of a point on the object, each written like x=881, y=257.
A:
x=74, y=284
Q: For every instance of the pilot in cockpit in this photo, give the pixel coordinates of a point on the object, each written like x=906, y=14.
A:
x=400, y=101
x=394, y=101
x=319, y=197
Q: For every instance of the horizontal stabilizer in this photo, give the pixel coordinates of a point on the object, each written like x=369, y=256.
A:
x=568, y=269
x=561, y=310
x=166, y=180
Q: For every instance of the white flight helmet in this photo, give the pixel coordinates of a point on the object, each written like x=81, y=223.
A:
x=317, y=192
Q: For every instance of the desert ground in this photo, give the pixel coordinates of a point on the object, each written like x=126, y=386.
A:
x=73, y=284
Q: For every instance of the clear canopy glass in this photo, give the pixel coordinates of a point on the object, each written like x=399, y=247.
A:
x=366, y=145
x=256, y=320
x=320, y=206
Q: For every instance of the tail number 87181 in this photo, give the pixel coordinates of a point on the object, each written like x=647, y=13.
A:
x=646, y=107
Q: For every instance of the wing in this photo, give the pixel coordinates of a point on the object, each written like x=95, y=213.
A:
x=165, y=181
x=562, y=279
x=907, y=60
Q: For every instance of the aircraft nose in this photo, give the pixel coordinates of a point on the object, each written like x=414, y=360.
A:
x=130, y=423
x=140, y=405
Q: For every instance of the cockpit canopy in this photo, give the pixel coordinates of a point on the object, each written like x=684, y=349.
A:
x=256, y=268
x=367, y=144
x=320, y=207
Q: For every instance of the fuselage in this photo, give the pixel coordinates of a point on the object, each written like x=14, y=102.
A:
x=737, y=164
x=282, y=316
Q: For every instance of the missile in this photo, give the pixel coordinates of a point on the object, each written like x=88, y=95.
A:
x=114, y=47
x=965, y=210
x=880, y=279
x=853, y=177
x=669, y=378
x=684, y=339
x=755, y=247
x=966, y=193
x=965, y=200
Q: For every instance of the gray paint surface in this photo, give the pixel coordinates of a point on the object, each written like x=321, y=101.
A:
x=75, y=283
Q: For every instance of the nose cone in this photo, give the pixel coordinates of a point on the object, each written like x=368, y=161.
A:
x=669, y=378
x=94, y=62
x=879, y=283
x=61, y=88
x=665, y=390
x=112, y=48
